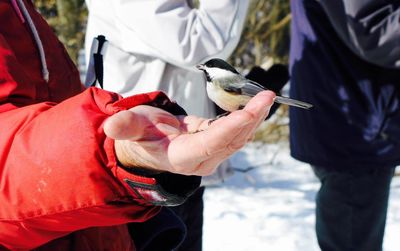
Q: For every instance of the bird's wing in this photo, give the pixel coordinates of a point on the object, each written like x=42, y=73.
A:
x=233, y=89
x=251, y=88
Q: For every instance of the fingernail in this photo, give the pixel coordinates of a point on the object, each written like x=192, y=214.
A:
x=167, y=129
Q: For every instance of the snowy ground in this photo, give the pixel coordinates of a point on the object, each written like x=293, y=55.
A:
x=271, y=207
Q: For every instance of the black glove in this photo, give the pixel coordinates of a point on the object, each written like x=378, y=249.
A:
x=273, y=79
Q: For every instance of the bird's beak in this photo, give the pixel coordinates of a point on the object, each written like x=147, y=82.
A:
x=200, y=67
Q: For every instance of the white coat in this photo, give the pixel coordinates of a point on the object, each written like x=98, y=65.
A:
x=155, y=45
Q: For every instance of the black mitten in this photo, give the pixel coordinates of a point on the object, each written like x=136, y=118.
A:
x=273, y=79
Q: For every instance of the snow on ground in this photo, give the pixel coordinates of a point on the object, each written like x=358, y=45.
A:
x=271, y=207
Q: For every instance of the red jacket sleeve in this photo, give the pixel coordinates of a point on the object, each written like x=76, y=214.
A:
x=59, y=173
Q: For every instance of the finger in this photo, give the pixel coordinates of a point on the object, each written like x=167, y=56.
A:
x=203, y=145
x=255, y=111
x=260, y=105
x=226, y=129
x=193, y=123
x=259, y=108
x=125, y=125
x=207, y=149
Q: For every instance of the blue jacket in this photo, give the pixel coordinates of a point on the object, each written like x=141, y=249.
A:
x=346, y=61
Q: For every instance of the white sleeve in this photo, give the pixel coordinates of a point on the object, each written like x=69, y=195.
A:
x=179, y=34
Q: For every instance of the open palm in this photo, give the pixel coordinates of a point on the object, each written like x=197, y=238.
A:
x=151, y=138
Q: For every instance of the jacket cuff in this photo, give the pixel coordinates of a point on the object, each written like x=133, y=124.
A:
x=163, y=189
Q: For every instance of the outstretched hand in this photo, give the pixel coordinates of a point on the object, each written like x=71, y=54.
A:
x=151, y=138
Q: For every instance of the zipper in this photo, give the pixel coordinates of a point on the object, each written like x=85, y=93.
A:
x=23, y=14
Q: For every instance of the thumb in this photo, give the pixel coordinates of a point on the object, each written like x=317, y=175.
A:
x=125, y=125
x=141, y=123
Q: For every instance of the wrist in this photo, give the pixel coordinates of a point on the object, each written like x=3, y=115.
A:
x=130, y=160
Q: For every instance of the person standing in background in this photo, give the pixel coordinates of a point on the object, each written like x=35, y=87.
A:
x=155, y=45
x=345, y=59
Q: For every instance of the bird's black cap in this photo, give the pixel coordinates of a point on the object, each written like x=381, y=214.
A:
x=219, y=63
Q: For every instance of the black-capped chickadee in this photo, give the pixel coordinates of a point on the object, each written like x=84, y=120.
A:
x=231, y=91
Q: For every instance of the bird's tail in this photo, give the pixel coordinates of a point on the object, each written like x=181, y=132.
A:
x=292, y=102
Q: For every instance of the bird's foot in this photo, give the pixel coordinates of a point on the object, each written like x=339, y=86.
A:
x=218, y=117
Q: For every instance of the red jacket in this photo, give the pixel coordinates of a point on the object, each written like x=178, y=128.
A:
x=59, y=180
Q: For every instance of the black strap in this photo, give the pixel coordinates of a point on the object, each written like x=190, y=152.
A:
x=98, y=61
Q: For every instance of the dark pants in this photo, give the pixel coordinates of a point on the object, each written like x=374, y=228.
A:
x=351, y=208
x=191, y=213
